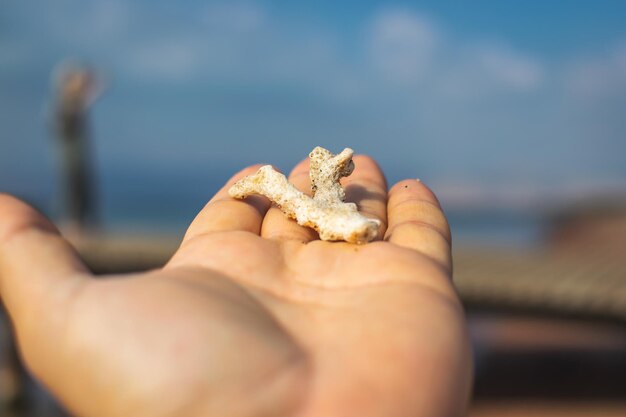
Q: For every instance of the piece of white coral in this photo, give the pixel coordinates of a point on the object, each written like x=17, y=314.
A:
x=326, y=211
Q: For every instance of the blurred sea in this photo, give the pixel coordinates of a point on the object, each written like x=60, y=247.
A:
x=166, y=202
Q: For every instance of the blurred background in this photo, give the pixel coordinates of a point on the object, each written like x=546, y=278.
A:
x=513, y=112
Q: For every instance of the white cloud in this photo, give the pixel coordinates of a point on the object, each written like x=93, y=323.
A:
x=480, y=71
x=223, y=41
x=234, y=16
x=241, y=44
x=402, y=44
x=407, y=47
x=510, y=68
x=107, y=18
x=88, y=22
x=457, y=105
x=167, y=60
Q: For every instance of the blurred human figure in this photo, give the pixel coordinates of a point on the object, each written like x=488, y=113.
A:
x=76, y=87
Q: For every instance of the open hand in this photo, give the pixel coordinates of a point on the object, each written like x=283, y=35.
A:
x=253, y=315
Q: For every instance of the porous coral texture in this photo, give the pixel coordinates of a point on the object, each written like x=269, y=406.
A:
x=326, y=210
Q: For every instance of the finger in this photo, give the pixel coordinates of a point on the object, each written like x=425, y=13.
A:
x=224, y=213
x=416, y=221
x=39, y=270
x=367, y=188
x=277, y=225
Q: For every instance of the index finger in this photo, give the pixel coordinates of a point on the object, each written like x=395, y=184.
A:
x=224, y=213
x=277, y=225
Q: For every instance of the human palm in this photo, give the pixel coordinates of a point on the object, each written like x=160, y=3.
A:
x=253, y=316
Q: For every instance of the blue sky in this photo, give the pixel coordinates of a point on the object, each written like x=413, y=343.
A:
x=513, y=97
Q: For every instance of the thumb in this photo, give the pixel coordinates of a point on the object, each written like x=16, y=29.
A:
x=39, y=270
